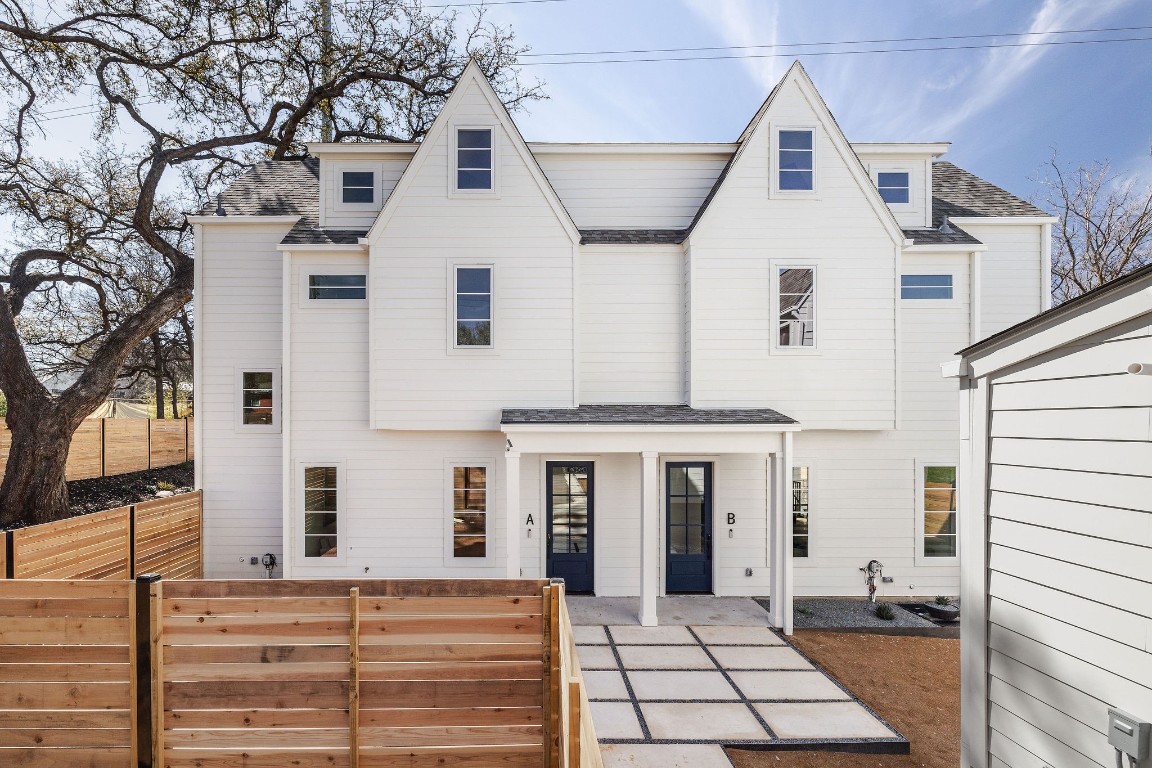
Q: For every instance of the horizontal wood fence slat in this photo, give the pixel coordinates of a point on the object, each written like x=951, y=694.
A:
x=161, y=537
x=273, y=673
x=102, y=447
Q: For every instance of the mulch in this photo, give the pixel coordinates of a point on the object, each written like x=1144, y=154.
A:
x=85, y=496
x=912, y=682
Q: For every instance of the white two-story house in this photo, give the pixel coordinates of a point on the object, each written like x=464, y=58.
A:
x=646, y=368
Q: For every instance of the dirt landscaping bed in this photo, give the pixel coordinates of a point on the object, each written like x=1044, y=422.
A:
x=912, y=682
x=86, y=496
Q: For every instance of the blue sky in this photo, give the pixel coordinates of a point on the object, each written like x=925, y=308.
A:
x=1004, y=110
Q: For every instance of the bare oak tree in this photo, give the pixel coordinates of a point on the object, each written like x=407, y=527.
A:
x=185, y=94
x=1105, y=227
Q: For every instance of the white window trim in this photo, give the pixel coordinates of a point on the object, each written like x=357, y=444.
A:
x=774, y=301
x=307, y=301
x=470, y=349
x=918, y=506
x=876, y=170
x=774, y=163
x=338, y=204
x=341, y=515
x=238, y=399
x=928, y=303
x=810, y=560
x=489, y=465
x=455, y=191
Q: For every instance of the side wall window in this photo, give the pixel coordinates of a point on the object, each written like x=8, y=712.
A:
x=926, y=286
x=473, y=295
x=796, y=302
x=258, y=399
x=322, y=502
x=469, y=512
x=938, y=507
x=357, y=187
x=336, y=287
x=796, y=161
x=800, y=529
x=474, y=159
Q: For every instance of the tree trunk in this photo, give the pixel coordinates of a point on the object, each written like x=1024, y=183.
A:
x=175, y=389
x=158, y=374
x=34, y=489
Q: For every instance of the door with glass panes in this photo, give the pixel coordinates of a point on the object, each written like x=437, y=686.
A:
x=688, y=506
x=570, y=524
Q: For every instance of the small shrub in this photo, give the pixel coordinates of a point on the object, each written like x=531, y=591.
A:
x=943, y=600
x=164, y=485
x=885, y=612
x=803, y=610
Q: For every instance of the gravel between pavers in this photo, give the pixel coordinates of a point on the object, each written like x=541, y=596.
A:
x=830, y=613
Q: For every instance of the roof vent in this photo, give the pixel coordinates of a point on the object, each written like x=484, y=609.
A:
x=220, y=207
x=946, y=228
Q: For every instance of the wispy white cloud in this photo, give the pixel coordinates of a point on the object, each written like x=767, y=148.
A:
x=745, y=23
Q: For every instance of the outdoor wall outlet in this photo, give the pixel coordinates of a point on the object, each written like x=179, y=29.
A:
x=747, y=571
x=911, y=586
x=1128, y=734
x=887, y=579
x=253, y=560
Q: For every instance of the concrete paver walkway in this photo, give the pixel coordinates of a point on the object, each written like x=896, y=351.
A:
x=673, y=695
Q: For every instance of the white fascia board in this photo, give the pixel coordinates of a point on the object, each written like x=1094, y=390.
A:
x=360, y=148
x=230, y=219
x=649, y=429
x=324, y=247
x=633, y=440
x=933, y=148
x=999, y=220
x=593, y=148
x=958, y=248
x=954, y=369
x=1063, y=328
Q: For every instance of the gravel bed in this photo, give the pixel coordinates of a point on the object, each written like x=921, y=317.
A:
x=832, y=613
x=85, y=496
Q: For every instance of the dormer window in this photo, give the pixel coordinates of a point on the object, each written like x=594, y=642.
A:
x=894, y=186
x=358, y=187
x=474, y=159
x=796, y=160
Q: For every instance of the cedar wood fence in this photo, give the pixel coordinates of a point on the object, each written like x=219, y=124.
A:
x=272, y=673
x=102, y=447
x=163, y=536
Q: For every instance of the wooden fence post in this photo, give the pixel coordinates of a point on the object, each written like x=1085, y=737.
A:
x=554, y=676
x=147, y=683
x=9, y=554
x=354, y=678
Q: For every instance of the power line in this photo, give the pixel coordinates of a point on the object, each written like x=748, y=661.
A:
x=834, y=53
x=838, y=42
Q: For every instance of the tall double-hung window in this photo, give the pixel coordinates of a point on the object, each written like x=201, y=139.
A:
x=938, y=509
x=796, y=160
x=796, y=307
x=474, y=159
x=473, y=297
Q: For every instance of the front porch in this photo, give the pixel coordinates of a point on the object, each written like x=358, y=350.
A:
x=643, y=501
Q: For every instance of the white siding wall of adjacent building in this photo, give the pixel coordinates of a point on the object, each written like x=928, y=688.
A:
x=1069, y=572
x=631, y=324
x=238, y=327
x=388, y=168
x=642, y=189
x=1011, y=284
x=848, y=382
x=420, y=381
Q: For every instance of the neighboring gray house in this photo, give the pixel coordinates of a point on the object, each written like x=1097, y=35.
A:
x=1056, y=473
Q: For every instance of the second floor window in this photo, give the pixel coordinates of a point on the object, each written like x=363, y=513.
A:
x=926, y=286
x=474, y=159
x=358, y=187
x=473, y=306
x=894, y=186
x=796, y=299
x=797, y=161
x=327, y=287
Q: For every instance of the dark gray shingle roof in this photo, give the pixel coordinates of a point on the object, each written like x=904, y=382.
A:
x=632, y=236
x=956, y=192
x=305, y=233
x=642, y=414
x=274, y=188
x=935, y=237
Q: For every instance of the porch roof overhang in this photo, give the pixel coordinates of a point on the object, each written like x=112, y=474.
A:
x=645, y=428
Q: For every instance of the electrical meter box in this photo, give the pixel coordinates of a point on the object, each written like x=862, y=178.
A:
x=1128, y=734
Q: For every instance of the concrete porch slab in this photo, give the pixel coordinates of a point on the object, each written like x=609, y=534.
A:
x=664, y=756
x=678, y=610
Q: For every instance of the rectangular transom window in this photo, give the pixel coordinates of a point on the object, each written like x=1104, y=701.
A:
x=469, y=511
x=796, y=295
x=926, y=286
x=938, y=506
x=473, y=306
x=257, y=397
x=321, y=510
x=474, y=158
x=800, y=530
x=337, y=286
x=796, y=157
x=358, y=187
x=893, y=186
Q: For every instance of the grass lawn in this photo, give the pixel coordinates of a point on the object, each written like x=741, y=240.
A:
x=913, y=682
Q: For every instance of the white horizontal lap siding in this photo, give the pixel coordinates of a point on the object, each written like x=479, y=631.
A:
x=238, y=328
x=388, y=169
x=631, y=325
x=1010, y=274
x=1070, y=558
x=849, y=381
x=420, y=382
x=914, y=214
x=632, y=191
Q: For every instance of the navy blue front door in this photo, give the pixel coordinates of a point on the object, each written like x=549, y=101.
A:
x=689, y=532
x=570, y=523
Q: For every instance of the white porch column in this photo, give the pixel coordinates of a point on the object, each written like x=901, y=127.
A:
x=512, y=511
x=649, y=536
x=789, y=581
x=780, y=540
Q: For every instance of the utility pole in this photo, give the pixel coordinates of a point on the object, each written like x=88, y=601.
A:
x=326, y=128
